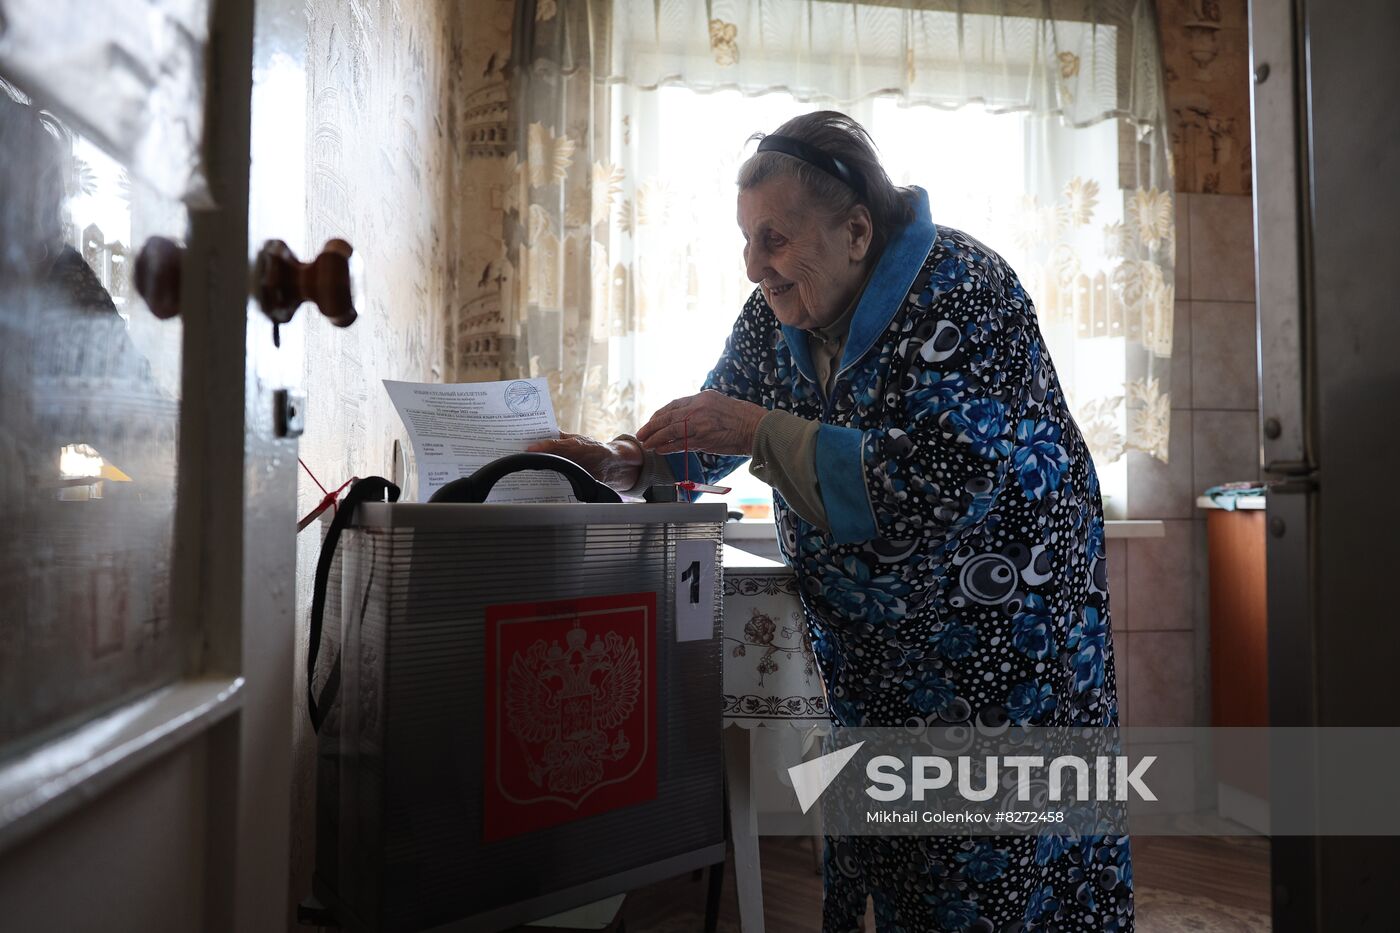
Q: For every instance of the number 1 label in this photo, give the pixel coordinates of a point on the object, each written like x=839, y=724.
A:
x=695, y=590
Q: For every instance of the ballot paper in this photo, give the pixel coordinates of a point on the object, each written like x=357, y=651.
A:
x=456, y=429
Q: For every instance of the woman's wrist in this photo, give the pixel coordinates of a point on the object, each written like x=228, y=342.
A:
x=626, y=466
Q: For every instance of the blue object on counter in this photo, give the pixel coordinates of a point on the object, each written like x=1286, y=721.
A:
x=1228, y=495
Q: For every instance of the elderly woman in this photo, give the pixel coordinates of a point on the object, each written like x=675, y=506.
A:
x=934, y=497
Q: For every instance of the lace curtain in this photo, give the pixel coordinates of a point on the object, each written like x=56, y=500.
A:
x=609, y=276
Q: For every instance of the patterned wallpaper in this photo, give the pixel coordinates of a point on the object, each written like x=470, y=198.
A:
x=406, y=158
x=1205, y=49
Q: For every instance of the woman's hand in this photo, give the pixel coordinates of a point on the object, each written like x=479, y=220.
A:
x=617, y=464
x=711, y=421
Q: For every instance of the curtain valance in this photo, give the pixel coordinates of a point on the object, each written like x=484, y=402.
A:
x=1081, y=59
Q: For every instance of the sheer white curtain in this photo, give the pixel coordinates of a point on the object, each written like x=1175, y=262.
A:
x=624, y=172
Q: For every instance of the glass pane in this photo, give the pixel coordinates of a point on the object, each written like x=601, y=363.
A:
x=89, y=410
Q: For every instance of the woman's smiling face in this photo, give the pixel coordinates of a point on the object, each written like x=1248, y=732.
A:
x=809, y=265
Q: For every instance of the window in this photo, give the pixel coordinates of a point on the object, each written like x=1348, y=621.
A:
x=90, y=387
x=978, y=169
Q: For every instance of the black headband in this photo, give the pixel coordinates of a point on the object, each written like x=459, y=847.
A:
x=815, y=157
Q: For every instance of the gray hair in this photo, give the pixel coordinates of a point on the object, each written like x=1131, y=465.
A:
x=842, y=137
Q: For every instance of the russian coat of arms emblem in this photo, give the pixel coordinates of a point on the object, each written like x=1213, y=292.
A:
x=570, y=710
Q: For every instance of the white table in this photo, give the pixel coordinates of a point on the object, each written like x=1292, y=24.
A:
x=773, y=697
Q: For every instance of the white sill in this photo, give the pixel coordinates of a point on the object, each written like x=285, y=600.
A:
x=1135, y=528
x=46, y=783
x=750, y=530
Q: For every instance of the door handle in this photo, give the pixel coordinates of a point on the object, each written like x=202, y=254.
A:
x=157, y=276
x=282, y=282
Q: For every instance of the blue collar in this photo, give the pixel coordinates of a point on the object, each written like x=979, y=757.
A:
x=884, y=294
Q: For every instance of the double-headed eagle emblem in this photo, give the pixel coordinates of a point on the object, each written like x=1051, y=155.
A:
x=573, y=700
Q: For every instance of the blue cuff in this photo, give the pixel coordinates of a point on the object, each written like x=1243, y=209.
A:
x=841, y=475
x=678, y=467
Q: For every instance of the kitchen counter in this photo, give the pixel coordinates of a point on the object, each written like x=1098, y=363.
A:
x=1237, y=573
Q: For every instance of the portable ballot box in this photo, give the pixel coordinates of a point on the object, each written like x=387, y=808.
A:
x=526, y=709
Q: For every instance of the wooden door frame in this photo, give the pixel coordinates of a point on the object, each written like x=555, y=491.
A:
x=244, y=534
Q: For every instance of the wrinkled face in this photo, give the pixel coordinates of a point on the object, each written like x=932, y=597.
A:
x=809, y=265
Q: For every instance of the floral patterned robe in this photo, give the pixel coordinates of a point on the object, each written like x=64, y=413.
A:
x=964, y=574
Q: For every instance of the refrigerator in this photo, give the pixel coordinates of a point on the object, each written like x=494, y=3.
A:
x=1326, y=144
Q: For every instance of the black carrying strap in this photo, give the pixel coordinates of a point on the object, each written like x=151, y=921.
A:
x=369, y=489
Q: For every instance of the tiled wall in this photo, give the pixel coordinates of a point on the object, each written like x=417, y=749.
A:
x=1159, y=585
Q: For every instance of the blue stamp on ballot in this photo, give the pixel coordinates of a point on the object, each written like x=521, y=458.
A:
x=522, y=398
